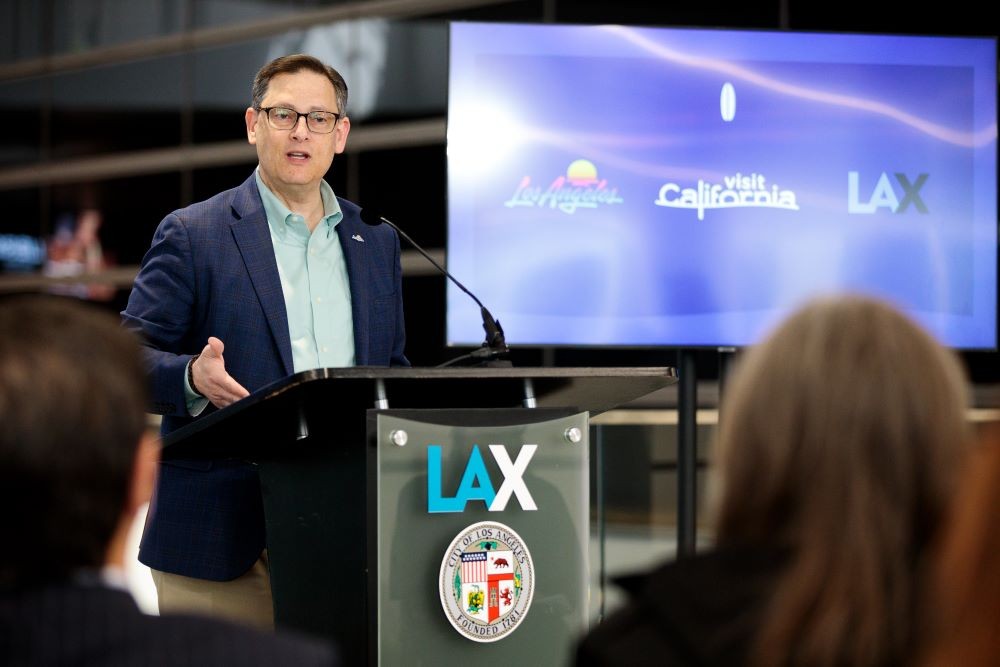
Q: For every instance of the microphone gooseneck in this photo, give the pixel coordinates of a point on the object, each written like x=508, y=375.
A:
x=494, y=350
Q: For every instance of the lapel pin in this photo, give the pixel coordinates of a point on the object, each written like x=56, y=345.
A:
x=357, y=237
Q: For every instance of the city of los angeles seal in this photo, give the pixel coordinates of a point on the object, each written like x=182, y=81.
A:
x=486, y=582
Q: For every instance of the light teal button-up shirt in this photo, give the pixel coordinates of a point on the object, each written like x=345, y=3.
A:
x=314, y=281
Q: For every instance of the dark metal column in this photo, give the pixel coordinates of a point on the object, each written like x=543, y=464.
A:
x=687, y=453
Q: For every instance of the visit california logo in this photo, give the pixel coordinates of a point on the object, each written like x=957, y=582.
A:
x=579, y=188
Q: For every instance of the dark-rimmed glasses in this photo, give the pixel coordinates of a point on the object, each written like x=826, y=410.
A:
x=283, y=118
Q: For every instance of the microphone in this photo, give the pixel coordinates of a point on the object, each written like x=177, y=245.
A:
x=494, y=350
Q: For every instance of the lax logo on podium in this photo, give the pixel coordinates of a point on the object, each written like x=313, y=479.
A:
x=476, y=483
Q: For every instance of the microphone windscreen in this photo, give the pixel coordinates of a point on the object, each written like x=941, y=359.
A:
x=371, y=216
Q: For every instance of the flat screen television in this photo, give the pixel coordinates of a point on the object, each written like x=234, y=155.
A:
x=623, y=186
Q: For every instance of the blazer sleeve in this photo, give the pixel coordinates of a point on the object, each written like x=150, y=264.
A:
x=398, y=358
x=160, y=309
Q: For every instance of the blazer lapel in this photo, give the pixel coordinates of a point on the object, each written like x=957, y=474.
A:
x=253, y=238
x=356, y=258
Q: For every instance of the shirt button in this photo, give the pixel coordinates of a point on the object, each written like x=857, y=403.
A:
x=325, y=348
x=312, y=251
x=319, y=299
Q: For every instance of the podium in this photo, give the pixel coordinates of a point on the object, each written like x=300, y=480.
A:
x=426, y=516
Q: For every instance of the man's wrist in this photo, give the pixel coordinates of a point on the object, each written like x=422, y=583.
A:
x=190, y=376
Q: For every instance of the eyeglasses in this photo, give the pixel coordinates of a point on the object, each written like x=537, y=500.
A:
x=283, y=118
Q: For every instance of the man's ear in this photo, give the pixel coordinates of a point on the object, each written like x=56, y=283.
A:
x=251, y=120
x=143, y=481
x=343, y=128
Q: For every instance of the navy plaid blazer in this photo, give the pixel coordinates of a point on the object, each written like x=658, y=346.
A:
x=211, y=271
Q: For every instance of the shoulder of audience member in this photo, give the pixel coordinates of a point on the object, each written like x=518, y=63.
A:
x=218, y=642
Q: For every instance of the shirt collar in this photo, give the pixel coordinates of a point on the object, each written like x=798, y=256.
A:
x=282, y=220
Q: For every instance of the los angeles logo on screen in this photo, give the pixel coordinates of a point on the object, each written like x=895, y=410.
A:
x=579, y=188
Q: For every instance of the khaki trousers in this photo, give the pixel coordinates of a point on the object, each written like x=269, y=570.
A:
x=246, y=599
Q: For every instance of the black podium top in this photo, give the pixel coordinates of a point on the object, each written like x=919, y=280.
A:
x=340, y=392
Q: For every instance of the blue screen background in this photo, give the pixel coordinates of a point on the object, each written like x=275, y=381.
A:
x=582, y=162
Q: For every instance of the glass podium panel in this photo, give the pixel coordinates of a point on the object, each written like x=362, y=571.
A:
x=482, y=541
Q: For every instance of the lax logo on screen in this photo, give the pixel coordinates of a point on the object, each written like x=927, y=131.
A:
x=885, y=195
x=476, y=483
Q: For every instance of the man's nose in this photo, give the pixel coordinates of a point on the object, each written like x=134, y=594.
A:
x=301, y=129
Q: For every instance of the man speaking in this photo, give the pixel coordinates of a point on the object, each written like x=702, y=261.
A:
x=276, y=276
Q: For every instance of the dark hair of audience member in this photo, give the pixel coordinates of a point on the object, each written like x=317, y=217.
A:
x=840, y=441
x=72, y=410
x=963, y=601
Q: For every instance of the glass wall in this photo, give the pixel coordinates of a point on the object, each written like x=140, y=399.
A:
x=116, y=108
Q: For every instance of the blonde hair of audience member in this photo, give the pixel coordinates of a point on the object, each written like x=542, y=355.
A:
x=840, y=438
x=963, y=602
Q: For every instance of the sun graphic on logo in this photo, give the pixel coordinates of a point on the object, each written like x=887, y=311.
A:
x=581, y=173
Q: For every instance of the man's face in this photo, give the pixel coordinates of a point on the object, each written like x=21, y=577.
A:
x=295, y=160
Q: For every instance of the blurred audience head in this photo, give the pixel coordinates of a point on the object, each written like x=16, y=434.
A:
x=962, y=606
x=840, y=440
x=75, y=460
